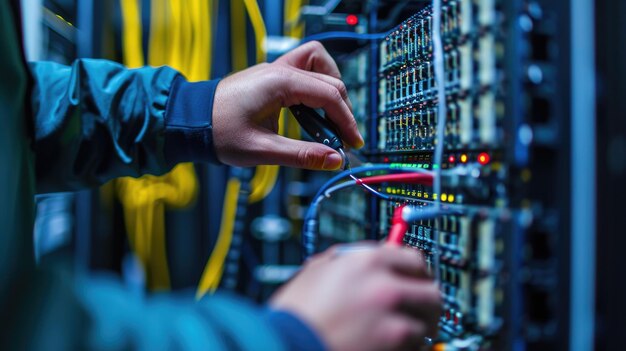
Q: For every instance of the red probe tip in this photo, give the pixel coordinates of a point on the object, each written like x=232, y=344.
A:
x=398, y=228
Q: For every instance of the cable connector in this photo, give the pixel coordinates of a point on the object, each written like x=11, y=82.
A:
x=402, y=216
x=399, y=226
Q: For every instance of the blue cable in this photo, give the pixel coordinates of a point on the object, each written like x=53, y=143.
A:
x=309, y=230
x=347, y=173
x=344, y=36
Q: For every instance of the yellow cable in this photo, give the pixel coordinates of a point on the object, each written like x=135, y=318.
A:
x=139, y=207
x=293, y=27
x=260, y=33
x=176, y=34
x=265, y=176
x=145, y=199
x=201, y=42
x=239, y=42
x=212, y=274
x=213, y=270
x=187, y=36
x=133, y=53
x=160, y=35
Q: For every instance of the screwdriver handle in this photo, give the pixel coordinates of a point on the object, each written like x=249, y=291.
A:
x=319, y=128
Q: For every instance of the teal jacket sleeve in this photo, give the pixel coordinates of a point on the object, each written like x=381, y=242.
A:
x=121, y=320
x=97, y=120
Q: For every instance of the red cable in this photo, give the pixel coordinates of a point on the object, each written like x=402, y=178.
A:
x=411, y=178
x=398, y=228
x=398, y=225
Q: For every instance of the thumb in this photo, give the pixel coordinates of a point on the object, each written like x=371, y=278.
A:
x=302, y=154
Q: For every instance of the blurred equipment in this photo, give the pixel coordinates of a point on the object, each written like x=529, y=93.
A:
x=479, y=118
x=475, y=96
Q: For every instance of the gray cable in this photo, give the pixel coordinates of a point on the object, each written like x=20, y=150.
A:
x=441, y=120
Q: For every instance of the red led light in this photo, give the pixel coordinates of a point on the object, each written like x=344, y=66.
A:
x=386, y=159
x=483, y=158
x=451, y=159
x=352, y=20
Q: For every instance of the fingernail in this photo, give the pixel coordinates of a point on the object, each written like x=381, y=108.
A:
x=332, y=162
x=360, y=143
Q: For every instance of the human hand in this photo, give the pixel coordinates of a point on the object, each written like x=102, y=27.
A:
x=379, y=299
x=247, y=105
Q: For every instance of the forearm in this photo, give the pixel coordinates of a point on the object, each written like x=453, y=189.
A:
x=97, y=120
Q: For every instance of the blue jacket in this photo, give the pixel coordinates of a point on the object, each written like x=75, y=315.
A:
x=67, y=128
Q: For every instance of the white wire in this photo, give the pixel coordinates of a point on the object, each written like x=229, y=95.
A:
x=338, y=187
x=365, y=185
x=441, y=120
x=419, y=213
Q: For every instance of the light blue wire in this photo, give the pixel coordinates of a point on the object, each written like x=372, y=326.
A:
x=344, y=36
x=309, y=230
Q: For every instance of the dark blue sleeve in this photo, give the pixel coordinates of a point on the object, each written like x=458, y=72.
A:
x=188, y=122
x=295, y=333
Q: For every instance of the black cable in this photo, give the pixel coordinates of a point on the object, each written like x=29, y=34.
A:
x=231, y=264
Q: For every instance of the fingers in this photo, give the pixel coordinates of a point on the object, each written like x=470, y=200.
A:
x=311, y=56
x=337, y=83
x=421, y=300
x=399, y=332
x=300, y=154
x=298, y=88
x=402, y=260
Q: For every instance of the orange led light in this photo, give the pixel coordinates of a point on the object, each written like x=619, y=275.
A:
x=464, y=158
x=483, y=158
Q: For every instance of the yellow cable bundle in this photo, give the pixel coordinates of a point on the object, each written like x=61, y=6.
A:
x=158, y=50
x=215, y=266
x=265, y=176
x=131, y=17
x=239, y=40
x=260, y=33
x=184, y=45
x=201, y=60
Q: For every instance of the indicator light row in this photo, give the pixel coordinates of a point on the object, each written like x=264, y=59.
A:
x=483, y=158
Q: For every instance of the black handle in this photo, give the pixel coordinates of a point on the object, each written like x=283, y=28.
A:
x=319, y=128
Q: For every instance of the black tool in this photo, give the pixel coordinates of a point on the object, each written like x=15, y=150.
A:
x=319, y=129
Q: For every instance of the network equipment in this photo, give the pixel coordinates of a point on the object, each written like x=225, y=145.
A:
x=490, y=244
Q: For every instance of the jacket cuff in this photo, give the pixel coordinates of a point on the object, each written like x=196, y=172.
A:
x=295, y=334
x=188, y=122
